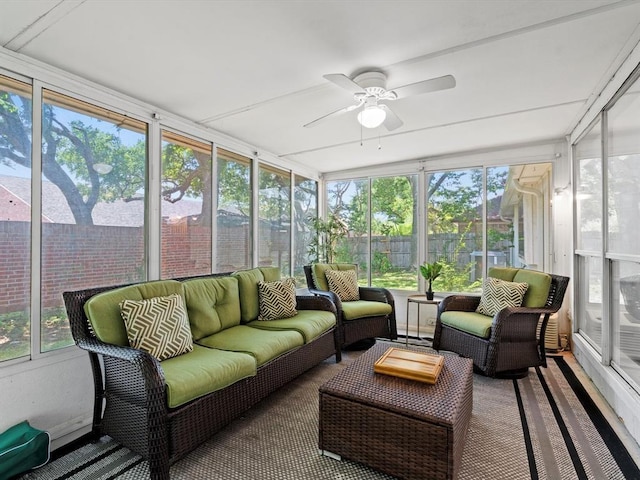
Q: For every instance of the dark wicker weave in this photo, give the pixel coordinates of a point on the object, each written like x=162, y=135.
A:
x=130, y=398
x=405, y=428
x=354, y=330
x=514, y=344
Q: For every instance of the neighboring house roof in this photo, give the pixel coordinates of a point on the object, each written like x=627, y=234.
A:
x=13, y=208
x=55, y=208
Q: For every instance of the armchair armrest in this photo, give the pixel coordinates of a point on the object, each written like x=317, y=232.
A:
x=316, y=302
x=461, y=303
x=519, y=324
x=330, y=295
x=375, y=294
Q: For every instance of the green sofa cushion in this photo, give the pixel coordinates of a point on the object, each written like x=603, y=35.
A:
x=309, y=323
x=103, y=309
x=364, y=308
x=503, y=273
x=470, y=322
x=248, y=285
x=202, y=371
x=264, y=345
x=538, y=291
x=213, y=304
x=320, y=278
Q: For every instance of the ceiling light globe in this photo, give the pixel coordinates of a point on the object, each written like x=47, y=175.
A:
x=372, y=117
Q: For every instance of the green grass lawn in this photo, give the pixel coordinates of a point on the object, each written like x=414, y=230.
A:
x=15, y=340
x=402, y=280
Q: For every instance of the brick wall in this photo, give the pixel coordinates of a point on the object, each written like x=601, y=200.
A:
x=76, y=257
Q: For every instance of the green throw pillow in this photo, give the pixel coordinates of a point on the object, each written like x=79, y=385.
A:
x=344, y=283
x=498, y=294
x=158, y=325
x=277, y=299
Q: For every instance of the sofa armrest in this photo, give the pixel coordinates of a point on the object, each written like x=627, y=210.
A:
x=140, y=370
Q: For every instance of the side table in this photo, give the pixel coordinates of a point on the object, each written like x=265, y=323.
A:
x=419, y=299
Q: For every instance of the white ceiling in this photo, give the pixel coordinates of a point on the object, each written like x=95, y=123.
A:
x=526, y=70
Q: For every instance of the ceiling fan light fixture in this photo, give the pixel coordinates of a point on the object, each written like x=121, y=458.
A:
x=372, y=116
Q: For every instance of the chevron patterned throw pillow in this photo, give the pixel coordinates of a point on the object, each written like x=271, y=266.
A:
x=498, y=294
x=343, y=283
x=277, y=299
x=159, y=325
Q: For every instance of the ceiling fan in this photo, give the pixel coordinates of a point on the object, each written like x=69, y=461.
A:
x=370, y=91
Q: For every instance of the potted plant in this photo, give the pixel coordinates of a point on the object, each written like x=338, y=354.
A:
x=430, y=271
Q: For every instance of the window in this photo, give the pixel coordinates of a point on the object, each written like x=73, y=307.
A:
x=348, y=205
x=588, y=190
x=186, y=206
x=233, y=244
x=15, y=219
x=517, y=215
x=93, y=204
x=454, y=228
x=623, y=251
x=394, y=235
x=274, y=201
x=305, y=211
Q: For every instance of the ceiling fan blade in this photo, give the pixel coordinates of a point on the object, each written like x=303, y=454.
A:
x=344, y=82
x=391, y=121
x=332, y=114
x=426, y=86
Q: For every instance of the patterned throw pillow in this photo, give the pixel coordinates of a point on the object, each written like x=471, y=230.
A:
x=498, y=294
x=158, y=325
x=343, y=283
x=277, y=299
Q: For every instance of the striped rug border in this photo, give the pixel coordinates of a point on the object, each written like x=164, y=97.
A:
x=618, y=451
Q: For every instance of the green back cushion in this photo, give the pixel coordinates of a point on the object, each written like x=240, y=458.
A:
x=213, y=304
x=538, y=291
x=248, y=286
x=320, y=278
x=503, y=273
x=103, y=309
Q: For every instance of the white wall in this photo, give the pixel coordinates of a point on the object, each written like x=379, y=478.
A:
x=54, y=393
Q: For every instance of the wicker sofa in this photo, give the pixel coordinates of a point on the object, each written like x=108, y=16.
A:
x=509, y=342
x=164, y=409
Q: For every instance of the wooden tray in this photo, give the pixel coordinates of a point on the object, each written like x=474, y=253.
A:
x=423, y=367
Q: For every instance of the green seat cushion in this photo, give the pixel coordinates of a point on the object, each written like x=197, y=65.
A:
x=248, y=285
x=202, y=371
x=470, y=322
x=309, y=323
x=320, y=278
x=503, y=273
x=538, y=291
x=103, y=309
x=264, y=345
x=213, y=304
x=364, y=308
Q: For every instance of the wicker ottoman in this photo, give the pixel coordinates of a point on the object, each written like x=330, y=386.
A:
x=405, y=428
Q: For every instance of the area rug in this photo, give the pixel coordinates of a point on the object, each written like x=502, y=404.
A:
x=544, y=426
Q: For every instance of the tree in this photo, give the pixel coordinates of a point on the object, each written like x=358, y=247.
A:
x=76, y=149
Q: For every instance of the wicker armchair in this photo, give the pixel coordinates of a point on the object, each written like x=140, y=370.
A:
x=516, y=338
x=353, y=328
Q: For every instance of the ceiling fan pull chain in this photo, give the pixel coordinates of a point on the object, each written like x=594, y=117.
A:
x=379, y=144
